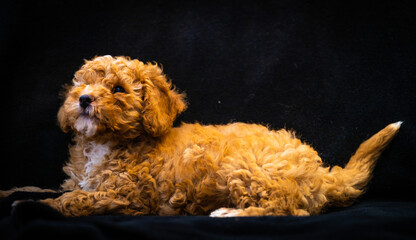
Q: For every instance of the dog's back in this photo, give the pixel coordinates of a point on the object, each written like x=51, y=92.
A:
x=257, y=171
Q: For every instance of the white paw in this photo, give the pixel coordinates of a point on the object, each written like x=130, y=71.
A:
x=17, y=202
x=226, y=212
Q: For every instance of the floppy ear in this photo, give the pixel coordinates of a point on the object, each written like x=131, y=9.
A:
x=161, y=103
x=62, y=115
x=63, y=120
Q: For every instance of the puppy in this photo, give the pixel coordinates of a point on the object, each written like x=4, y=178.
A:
x=127, y=158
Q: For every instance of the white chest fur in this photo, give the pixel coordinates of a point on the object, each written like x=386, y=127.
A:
x=94, y=154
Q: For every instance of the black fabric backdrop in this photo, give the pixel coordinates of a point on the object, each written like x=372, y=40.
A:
x=334, y=72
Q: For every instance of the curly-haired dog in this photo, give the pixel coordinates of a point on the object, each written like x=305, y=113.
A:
x=127, y=158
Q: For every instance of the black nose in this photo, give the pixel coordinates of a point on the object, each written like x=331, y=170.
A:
x=85, y=100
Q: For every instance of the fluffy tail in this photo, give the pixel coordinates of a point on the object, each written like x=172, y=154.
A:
x=346, y=184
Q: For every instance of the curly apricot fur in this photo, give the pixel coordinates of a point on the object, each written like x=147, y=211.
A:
x=127, y=158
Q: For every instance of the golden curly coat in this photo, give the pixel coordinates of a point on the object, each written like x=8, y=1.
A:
x=127, y=158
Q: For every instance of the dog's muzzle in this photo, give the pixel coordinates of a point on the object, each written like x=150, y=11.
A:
x=85, y=101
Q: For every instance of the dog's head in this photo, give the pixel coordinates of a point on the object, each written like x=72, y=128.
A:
x=119, y=97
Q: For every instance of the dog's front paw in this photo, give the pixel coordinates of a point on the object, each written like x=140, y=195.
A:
x=227, y=212
x=4, y=194
x=25, y=211
x=18, y=202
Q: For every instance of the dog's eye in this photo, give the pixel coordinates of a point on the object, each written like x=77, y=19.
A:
x=119, y=89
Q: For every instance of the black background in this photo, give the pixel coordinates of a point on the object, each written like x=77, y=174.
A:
x=336, y=73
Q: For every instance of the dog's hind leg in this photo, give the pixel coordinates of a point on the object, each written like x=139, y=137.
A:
x=262, y=196
x=253, y=211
